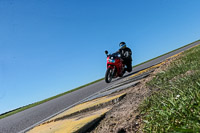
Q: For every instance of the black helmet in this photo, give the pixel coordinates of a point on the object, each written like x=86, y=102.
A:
x=122, y=45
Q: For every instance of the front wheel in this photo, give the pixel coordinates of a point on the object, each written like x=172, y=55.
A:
x=109, y=75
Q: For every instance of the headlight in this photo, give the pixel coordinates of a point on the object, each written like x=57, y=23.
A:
x=112, y=61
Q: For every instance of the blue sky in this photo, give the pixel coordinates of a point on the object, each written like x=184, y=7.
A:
x=48, y=47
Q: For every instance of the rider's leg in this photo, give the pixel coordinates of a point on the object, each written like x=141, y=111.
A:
x=129, y=66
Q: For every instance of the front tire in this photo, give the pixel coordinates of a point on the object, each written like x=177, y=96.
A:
x=109, y=75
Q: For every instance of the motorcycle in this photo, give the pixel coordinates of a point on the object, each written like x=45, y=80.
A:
x=115, y=66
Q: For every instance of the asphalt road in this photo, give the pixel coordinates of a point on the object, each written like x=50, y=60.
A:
x=22, y=121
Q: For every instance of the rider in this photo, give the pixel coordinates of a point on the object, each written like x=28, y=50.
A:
x=126, y=56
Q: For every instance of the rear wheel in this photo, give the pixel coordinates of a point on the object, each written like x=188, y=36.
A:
x=109, y=75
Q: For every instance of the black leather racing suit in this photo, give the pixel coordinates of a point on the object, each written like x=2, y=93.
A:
x=126, y=55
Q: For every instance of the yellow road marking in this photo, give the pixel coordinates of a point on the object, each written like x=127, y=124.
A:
x=87, y=105
x=69, y=125
x=194, y=46
x=174, y=55
x=62, y=124
x=146, y=70
x=155, y=66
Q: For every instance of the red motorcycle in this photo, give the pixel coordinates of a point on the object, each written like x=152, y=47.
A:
x=115, y=66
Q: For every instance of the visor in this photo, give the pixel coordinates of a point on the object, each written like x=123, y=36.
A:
x=122, y=45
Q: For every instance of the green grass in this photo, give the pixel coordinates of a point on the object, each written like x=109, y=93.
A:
x=43, y=101
x=175, y=104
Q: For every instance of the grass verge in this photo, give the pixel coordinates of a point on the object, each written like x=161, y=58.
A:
x=175, y=104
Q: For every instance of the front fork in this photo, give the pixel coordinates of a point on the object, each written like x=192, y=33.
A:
x=113, y=70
